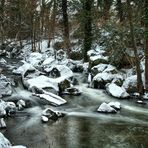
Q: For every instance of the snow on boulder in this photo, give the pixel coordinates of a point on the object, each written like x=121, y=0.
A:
x=106, y=108
x=35, y=59
x=145, y=96
x=2, y=123
x=111, y=69
x=48, y=61
x=26, y=67
x=52, y=114
x=101, y=79
x=3, y=61
x=52, y=98
x=21, y=104
x=4, y=142
x=98, y=59
x=116, y=91
x=60, y=71
x=115, y=105
x=44, y=119
x=42, y=82
x=18, y=146
x=130, y=84
x=99, y=68
x=5, y=86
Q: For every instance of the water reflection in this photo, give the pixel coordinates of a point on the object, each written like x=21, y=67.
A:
x=77, y=132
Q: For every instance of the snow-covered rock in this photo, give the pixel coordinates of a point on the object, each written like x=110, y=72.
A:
x=2, y=123
x=5, y=86
x=60, y=71
x=116, y=91
x=145, y=96
x=115, y=105
x=52, y=114
x=44, y=119
x=48, y=61
x=98, y=68
x=18, y=146
x=101, y=79
x=7, y=108
x=3, y=61
x=52, y=98
x=26, y=67
x=21, y=104
x=106, y=108
x=44, y=82
x=130, y=84
x=5, y=143
x=111, y=69
x=99, y=59
x=35, y=59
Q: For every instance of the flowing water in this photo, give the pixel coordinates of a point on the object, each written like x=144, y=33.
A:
x=82, y=127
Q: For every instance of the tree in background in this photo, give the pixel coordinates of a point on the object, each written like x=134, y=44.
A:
x=2, y=7
x=146, y=44
x=140, y=87
x=66, y=26
x=87, y=27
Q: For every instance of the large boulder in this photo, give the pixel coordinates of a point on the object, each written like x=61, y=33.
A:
x=106, y=108
x=130, y=84
x=52, y=114
x=98, y=68
x=44, y=82
x=5, y=86
x=22, y=70
x=101, y=79
x=115, y=105
x=35, y=59
x=7, y=108
x=51, y=98
x=116, y=91
x=60, y=71
x=5, y=143
x=99, y=59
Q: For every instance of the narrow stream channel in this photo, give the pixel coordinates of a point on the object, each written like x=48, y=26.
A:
x=82, y=127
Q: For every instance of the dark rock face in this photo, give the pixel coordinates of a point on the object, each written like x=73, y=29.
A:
x=55, y=73
x=64, y=84
x=51, y=114
x=72, y=91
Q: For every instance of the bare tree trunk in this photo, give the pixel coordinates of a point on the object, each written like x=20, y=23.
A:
x=52, y=23
x=2, y=20
x=66, y=26
x=146, y=45
x=87, y=24
x=140, y=87
x=120, y=10
x=107, y=5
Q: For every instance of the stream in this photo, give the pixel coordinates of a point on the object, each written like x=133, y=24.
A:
x=82, y=127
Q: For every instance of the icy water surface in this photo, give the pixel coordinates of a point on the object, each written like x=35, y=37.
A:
x=82, y=127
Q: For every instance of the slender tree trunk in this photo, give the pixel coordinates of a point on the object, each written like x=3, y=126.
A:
x=107, y=5
x=146, y=45
x=66, y=26
x=87, y=20
x=120, y=10
x=2, y=21
x=52, y=23
x=140, y=87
